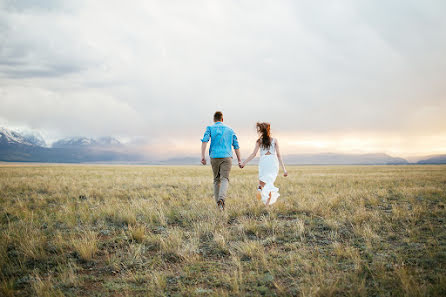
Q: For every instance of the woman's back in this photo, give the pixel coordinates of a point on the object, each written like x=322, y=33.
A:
x=271, y=150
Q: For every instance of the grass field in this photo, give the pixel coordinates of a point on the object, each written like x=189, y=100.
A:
x=95, y=230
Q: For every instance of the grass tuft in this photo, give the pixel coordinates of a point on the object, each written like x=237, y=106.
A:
x=86, y=245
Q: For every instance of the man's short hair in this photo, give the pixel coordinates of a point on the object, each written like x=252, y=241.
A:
x=218, y=116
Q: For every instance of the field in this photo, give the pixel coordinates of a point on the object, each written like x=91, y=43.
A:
x=95, y=230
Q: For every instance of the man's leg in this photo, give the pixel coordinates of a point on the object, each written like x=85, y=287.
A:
x=225, y=169
x=216, y=189
x=224, y=185
x=216, y=171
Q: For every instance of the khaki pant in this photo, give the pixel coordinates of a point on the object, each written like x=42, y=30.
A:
x=221, y=168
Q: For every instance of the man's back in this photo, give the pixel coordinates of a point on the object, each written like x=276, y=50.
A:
x=222, y=138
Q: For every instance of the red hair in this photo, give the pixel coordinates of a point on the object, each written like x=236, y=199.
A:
x=265, y=137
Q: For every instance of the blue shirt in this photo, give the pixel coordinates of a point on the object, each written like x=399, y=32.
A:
x=222, y=138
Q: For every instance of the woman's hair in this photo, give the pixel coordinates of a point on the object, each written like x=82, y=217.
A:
x=265, y=137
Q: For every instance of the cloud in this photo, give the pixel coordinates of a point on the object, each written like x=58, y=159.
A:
x=80, y=113
x=159, y=69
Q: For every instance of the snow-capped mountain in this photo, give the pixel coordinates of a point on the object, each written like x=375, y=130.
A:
x=85, y=142
x=31, y=147
x=31, y=138
x=11, y=137
x=35, y=138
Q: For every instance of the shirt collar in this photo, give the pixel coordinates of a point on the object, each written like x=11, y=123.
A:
x=218, y=123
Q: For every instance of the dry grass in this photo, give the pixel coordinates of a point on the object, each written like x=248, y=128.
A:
x=137, y=233
x=85, y=245
x=155, y=231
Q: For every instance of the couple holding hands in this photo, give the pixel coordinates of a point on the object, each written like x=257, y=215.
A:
x=223, y=139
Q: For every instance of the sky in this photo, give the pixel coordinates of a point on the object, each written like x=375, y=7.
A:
x=330, y=76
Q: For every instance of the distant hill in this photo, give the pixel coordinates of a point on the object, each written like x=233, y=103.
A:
x=438, y=159
x=343, y=159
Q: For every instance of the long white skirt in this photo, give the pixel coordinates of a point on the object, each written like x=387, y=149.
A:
x=268, y=170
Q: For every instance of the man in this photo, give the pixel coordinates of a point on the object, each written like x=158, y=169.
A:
x=223, y=139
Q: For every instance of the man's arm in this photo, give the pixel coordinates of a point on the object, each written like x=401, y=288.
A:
x=203, y=152
x=237, y=153
x=237, y=150
x=204, y=143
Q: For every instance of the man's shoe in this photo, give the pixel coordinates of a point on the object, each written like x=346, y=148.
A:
x=221, y=204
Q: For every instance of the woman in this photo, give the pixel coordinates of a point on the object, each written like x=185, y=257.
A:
x=268, y=164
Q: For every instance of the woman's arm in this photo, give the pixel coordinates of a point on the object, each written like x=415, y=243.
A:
x=279, y=156
x=252, y=156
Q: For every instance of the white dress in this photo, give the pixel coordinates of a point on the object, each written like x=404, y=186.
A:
x=268, y=170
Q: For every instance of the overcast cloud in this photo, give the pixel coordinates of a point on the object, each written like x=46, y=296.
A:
x=329, y=75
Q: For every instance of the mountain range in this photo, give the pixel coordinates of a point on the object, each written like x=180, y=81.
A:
x=31, y=147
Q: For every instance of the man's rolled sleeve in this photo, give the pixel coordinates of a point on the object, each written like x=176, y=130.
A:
x=235, y=142
x=207, y=135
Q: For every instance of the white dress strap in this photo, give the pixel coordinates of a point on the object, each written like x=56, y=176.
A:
x=269, y=151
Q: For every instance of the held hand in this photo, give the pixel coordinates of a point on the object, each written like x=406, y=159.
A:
x=203, y=161
x=285, y=173
x=240, y=164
